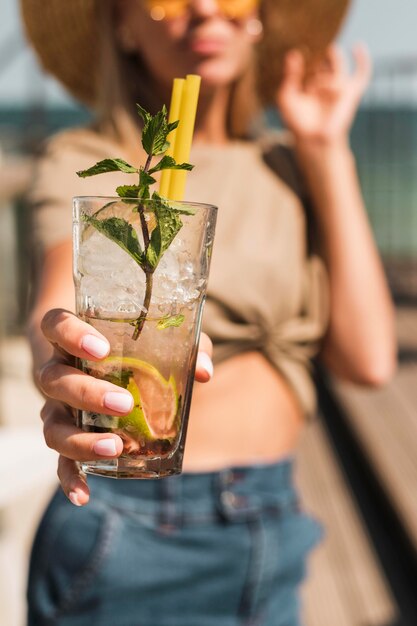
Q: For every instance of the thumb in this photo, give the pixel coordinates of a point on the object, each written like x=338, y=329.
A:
x=204, y=366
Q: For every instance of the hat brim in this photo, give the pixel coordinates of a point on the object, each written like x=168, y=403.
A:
x=308, y=25
x=66, y=39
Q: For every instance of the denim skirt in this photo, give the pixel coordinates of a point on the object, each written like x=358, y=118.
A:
x=224, y=548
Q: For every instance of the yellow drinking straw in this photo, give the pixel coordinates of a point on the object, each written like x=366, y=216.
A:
x=184, y=135
x=174, y=114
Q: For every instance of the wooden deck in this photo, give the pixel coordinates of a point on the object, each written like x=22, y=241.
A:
x=385, y=423
x=345, y=585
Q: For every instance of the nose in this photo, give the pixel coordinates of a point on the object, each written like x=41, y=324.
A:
x=204, y=8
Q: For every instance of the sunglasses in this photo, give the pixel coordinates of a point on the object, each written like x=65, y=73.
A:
x=169, y=9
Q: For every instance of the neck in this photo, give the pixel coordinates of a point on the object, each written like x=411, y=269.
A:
x=211, y=121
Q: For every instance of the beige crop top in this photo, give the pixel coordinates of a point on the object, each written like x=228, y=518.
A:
x=265, y=292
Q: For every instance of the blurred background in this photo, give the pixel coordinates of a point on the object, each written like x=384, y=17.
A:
x=357, y=462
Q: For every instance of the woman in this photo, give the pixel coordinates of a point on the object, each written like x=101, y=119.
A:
x=225, y=543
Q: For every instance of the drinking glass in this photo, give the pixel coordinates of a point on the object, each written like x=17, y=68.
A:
x=140, y=273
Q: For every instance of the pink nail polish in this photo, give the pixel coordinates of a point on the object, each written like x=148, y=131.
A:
x=120, y=402
x=73, y=497
x=95, y=346
x=204, y=362
x=105, y=447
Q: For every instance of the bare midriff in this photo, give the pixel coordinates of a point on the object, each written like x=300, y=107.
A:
x=246, y=415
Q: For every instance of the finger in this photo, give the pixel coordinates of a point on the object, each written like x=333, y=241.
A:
x=293, y=74
x=337, y=60
x=65, y=330
x=204, y=366
x=71, y=386
x=205, y=344
x=63, y=436
x=73, y=481
x=363, y=68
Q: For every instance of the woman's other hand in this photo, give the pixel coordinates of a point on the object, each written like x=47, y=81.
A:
x=321, y=107
x=67, y=388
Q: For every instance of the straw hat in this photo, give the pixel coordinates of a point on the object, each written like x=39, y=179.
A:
x=65, y=36
x=309, y=25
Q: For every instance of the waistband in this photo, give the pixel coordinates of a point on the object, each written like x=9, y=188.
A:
x=233, y=493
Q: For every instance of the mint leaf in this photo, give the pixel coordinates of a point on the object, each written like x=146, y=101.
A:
x=145, y=179
x=108, y=165
x=170, y=321
x=169, y=163
x=144, y=114
x=177, y=207
x=128, y=191
x=122, y=233
x=168, y=225
x=155, y=132
x=183, y=210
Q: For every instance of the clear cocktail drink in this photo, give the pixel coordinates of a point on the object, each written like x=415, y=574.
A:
x=151, y=314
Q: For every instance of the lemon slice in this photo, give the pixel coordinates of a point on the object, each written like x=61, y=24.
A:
x=155, y=399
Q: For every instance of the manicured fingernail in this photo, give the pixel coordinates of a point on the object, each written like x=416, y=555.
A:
x=73, y=497
x=105, y=447
x=120, y=402
x=95, y=346
x=204, y=362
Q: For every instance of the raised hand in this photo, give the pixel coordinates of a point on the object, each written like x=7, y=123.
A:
x=322, y=105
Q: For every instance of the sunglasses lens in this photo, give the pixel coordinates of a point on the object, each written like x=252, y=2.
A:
x=166, y=9
x=237, y=8
x=169, y=9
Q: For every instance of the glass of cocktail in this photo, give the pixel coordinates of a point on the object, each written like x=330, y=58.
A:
x=140, y=272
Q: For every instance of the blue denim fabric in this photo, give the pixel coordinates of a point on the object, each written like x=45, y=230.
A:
x=213, y=549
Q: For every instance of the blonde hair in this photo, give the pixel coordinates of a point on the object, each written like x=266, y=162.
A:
x=124, y=80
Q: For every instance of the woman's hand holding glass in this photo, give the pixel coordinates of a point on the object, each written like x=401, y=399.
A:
x=67, y=388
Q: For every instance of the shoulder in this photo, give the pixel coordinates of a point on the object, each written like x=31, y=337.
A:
x=56, y=182
x=65, y=153
x=80, y=143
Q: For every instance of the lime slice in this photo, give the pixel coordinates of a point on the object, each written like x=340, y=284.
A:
x=155, y=399
x=135, y=423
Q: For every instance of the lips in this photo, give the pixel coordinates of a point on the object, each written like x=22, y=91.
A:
x=207, y=45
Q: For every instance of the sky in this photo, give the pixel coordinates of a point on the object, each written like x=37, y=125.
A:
x=387, y=26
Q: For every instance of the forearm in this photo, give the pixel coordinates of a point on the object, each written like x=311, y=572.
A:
x=360, y=343
x=55, y=290
x=41, y=348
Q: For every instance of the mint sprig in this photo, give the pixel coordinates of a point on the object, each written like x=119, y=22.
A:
x=156, y=129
